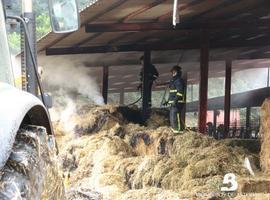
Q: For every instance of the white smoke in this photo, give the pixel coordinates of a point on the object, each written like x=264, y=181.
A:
x=73, y=79
x=63, y=112
x=70, y=83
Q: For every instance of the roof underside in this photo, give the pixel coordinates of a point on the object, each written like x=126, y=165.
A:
x=238, y=29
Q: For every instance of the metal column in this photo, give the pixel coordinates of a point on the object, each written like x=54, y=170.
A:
x=29, y=17
x=105, y=83
x=145, y=85
x=203, y=91
x=183, y=113
x=227, y=100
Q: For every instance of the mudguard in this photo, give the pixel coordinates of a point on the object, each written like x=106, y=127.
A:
x=15, y=105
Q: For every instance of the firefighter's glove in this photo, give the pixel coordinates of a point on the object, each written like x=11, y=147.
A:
x=166, y=103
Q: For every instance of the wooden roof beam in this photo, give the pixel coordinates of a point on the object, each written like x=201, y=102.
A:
x=127, y=27
x=125, y=19
x=121, y=48
x=161, y=26
x=159, y=46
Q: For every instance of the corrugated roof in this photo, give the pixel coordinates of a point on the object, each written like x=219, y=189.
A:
x=141, y=11
x=192, y=12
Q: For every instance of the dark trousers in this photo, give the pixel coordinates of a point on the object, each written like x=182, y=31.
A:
x=149, y=94
x=176, y=120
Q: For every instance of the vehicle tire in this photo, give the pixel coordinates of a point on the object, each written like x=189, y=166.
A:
x=32, y=171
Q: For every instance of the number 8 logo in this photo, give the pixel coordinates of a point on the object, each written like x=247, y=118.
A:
x=229, y=179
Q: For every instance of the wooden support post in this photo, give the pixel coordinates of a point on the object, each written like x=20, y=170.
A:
x=183, y=114
x=122, y=97
x=105, y=83
x=145, y=85
x=203, y=91
x=227, y=100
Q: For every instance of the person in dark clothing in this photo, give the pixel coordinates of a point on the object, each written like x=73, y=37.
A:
x=176, y=99
x=152, y=75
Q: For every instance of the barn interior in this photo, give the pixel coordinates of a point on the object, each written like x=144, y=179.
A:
x=213, y=40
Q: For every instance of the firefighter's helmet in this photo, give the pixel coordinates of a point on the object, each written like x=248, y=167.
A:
x=176, y=68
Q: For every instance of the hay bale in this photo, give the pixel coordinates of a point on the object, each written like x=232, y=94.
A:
x=257, y=184
x=83, y=194
x=119, y=165
x=150, y=193
x=265, y=136
x=158, y=117
x=129, y=161
x=96, y=119
x=253, y=146
x=253, y=196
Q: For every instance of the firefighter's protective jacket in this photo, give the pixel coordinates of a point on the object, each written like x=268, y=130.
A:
x=152, y=74
x=177, y=90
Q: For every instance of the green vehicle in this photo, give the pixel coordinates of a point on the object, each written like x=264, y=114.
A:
x=28, y=163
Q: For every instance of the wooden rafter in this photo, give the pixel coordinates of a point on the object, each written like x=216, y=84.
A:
x=128, y=17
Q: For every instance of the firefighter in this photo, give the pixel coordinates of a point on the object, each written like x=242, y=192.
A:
x=176, y=99
x=152, y=75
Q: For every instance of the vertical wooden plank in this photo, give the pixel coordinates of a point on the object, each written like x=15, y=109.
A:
x=183, y=114
x=145, y=86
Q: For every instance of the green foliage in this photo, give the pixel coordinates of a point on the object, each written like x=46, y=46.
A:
x=42, y=21
x=41, y=7
x=43, y=25
x=14, y=42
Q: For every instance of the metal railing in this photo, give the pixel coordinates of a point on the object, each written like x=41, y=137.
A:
x=239, y=132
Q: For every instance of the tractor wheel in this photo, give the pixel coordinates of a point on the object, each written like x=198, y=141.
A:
x=32, y=171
